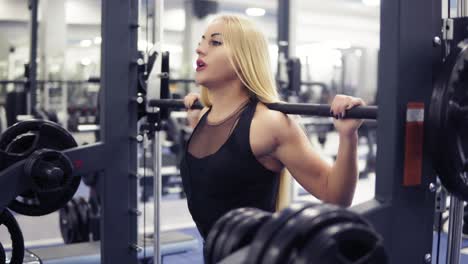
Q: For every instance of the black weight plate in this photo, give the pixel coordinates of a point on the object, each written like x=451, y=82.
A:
x=269, y=229
x=49, y=135
x=216, y=254
x=94, y=218
x=243, y=233
x=304, y=226
x=8, y=220
x=50, y=171
x=344, y=243
x=21, y=144
x=69, y=223
x=2, y=254
x=75, y=210
x=18, y=139
x=52, y=116
x=217, y=228
x=447, y=132
x=83, y=210
x=290, y=233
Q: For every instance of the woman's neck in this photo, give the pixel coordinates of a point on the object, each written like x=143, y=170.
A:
x=226, y=99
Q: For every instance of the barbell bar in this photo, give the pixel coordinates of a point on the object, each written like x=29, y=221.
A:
x=322, y=110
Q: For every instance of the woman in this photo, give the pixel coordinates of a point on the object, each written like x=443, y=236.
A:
x=239, y=147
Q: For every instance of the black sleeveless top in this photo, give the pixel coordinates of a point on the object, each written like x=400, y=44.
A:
x=229, y=178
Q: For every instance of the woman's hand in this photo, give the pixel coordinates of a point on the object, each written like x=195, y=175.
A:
x=192, y=115
x=190, y=99
x=339, y=106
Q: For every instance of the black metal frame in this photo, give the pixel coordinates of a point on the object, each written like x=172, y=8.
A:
x=119, y=123
x=408, y=60
x=116, y=155
x=32, y=68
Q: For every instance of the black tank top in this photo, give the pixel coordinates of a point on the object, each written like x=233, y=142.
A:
x=229, y=178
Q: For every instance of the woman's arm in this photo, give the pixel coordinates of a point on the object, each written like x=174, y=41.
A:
x=334, y=183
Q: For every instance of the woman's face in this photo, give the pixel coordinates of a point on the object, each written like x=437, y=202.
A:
x=213, y=66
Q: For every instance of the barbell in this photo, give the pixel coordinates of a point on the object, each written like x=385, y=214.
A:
x=322, y=110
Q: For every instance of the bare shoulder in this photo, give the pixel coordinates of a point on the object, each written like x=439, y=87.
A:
x=266, y=114
x=275, y=122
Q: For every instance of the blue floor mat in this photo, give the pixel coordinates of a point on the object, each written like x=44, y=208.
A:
x=196, y=256
x=443, y=250
x=190, y=257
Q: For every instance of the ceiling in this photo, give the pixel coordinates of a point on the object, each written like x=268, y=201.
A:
x=315, y=20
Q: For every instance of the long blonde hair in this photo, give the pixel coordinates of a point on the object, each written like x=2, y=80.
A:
x=249, y=57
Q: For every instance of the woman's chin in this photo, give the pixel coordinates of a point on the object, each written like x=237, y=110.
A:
x=200, y=81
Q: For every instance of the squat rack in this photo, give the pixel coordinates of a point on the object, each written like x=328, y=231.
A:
x=403, y=214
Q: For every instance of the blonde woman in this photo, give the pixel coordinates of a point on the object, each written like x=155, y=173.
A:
x=239, y=147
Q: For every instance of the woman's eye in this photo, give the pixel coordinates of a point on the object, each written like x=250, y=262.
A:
x=216, y=43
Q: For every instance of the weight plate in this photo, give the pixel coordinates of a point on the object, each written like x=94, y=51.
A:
x=23, y=139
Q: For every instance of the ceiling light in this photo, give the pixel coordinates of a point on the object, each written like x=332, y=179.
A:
x=371, y=2
x=255, y=11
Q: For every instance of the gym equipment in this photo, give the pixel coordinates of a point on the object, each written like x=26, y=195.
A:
x=215, y=232
x=224, y=235
x=83, y=209
x=15, y=104
x=46, y=115
x=362, y=112
x=94, y=214
x=344, y=243
x=52, y=184
x=303, y=226
x=243, y=232
x=269, y=229
x=448, y=118
x=70, y=223
x=8, y=220
x=2, y=254
x=79, y=221
x=301, y=233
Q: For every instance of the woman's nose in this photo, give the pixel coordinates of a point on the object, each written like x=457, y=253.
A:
x=200, y=49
